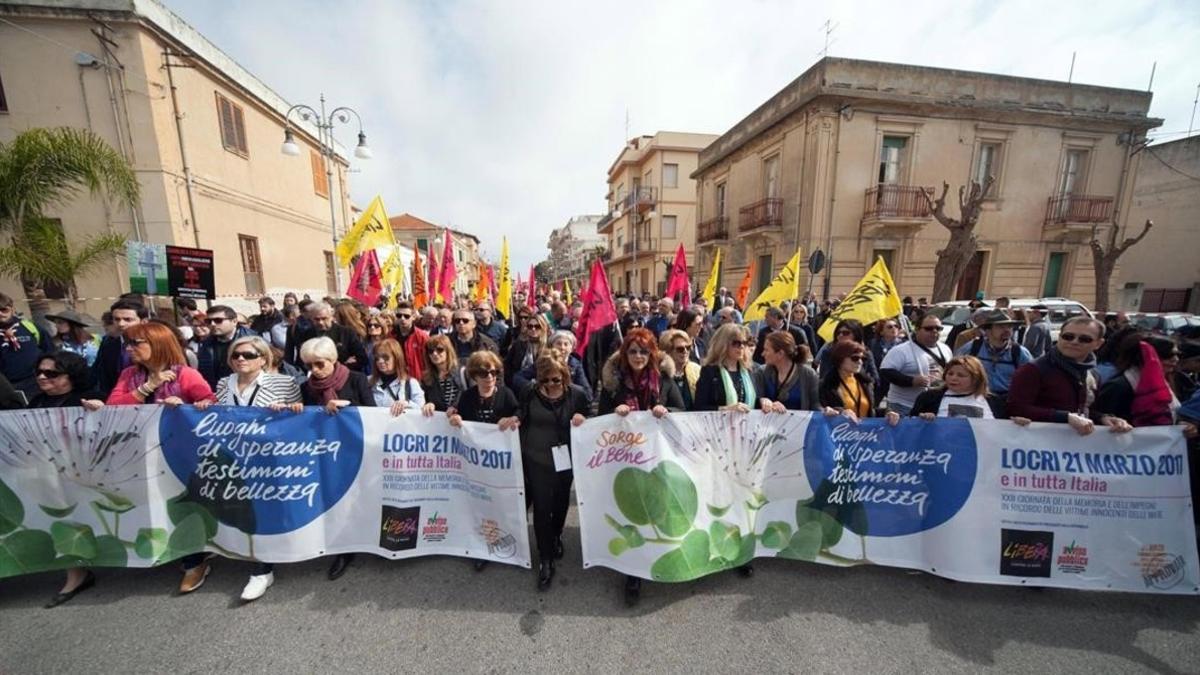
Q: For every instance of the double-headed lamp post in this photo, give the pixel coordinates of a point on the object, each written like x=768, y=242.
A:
x=324, y=123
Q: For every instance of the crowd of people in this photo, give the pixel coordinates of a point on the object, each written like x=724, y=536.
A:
x=470, y=362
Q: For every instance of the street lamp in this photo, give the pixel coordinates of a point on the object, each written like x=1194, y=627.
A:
x=324, y=123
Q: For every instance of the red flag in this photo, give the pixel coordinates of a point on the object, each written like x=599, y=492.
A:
x=599, y=311
x=743, y=291
x=434, y=275
x=449, y=271
x=492, y=286
x=420, y=295
x=367, y=281
x=532, y=299
x=679, y=287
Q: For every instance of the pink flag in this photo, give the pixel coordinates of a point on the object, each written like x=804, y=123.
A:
x=434, y=275
x=367, y=281
x=679, y=287
x=599, y=311
x=492, y=286
x=449, y=271
x=532, y=299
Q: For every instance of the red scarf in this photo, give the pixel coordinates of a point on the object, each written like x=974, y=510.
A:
x=641, y=392
x=1151, y=397
x=327, y=388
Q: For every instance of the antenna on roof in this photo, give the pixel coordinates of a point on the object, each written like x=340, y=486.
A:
x=1192, y=121
x=1152, y=69
x=1071, y=73
x=828, y=27
x=626, y=139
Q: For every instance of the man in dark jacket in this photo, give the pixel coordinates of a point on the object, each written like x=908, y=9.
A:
x=112, y=357
x=775, y=319
x=21, y=345
x=211, y=355
x=351, y=352
x=267, y=318
x=466, y=339
x=486, y=323
x=1059, y=387
x=1037, y=336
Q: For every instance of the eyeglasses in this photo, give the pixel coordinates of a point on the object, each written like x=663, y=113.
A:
x=375, y=325
x=738, y=343
x=49, y=374
x=533, y=324
x=681, y=349
x=245, y=356
x=1072, y=337
x=436, y=350
x=637, y=351
x=856, y=358
x=136, y=341
x=462, y=319
x=216, y=320
x=404, y=316
x=487, y=374
x=931, y=328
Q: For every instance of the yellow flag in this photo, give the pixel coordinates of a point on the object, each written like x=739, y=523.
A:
x=504, y=288
x=874, y=297
x=372, y=231
x=392, y=275
x=785, y=286
x=710, y=288
x=567, y=292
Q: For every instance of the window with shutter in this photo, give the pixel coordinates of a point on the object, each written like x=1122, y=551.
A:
x=330, y=274
x=320, y=178
x=251, y=264
x=233, y=126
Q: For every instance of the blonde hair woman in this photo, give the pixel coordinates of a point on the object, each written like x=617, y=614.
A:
x=726, y=381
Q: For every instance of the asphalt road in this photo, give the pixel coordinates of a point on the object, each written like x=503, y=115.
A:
x=439, y=614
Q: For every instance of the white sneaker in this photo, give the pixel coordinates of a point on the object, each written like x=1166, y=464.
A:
x=257, y=586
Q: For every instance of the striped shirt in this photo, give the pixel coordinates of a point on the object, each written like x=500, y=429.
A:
x=267, y=389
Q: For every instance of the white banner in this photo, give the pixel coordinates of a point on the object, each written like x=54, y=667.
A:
x=973, y=500
x=139, y=486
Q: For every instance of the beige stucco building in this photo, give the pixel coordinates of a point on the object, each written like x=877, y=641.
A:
x=1162, y=273
x=203, y=134
x=652, y=208
x=835, y=161
x=573, y=247
x=410, y=231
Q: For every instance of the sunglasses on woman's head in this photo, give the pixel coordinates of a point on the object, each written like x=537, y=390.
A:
x=244, y=356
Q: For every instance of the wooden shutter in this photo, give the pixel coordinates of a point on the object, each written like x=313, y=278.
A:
x=239, y=125
x=320, y=178
x=251, y=264
x=233, y=126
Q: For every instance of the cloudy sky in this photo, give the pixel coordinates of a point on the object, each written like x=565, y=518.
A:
x=501, y=118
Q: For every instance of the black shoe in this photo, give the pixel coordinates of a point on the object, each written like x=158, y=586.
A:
x=633, y=591
x=545, y=575
x=480, y=564
x=558, y=549
x=746, y=571
x=339, y=566
x=60, y=598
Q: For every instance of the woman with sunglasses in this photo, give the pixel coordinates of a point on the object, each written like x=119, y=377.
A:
x=251, y=384
x=376, y=333
x=524, y=353
x=562, y=346
x=159, y=374
x=725, y=381
x=333, y=386
x=441, y=379
x=787, y=382
x=845, y=388
x=679, y=346
x=853, y=331
x=65, y=381
x=390, y=382
x=638, y=378
x=547, y=411
x=692, y=324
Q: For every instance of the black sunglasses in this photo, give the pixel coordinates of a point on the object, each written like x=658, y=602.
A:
x=490, y=372
x=856, y=359
x=436, y=350
x=738, y=343
x=50, y=374
x=212, y=321
x=404, y=316
x=1072, y=337
x=462, y=320
x=245, y=356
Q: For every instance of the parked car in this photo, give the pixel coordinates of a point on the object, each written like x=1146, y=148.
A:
x=1165, y=323
x=1060, y=309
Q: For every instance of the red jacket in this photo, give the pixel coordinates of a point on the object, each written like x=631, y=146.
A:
x=1044, y=392
x=414, y=351
x=191, y=384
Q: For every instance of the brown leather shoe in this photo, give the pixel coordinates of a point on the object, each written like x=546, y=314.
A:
x=194, y=578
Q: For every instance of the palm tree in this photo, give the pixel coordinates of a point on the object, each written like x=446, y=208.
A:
x=44, y=168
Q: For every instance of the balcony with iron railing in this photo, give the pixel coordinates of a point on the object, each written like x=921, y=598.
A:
x=896, y=206
x=713, y=230
x=640, y=199
x=767, y=213
x=1078, y=209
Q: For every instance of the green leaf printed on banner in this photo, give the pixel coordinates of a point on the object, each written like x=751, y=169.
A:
x=189, y=536
x=717, y=511
x=725, y=541
x=12, y=512
x=632, y=488
x=25, y=551
x=831, y=529
x=689, y=561
x=629, y=534
x=777, y=534
x=73, y=539
x=746, y=553
x=180, y=507
x=117, y=502
x=150, y=542
x=805, y=544
x=617, y=546
x=56, y=512
x=674, y=505
x=110, y=552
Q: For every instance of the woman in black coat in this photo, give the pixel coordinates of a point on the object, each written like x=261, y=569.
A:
x=786, y=382
x=725, y=381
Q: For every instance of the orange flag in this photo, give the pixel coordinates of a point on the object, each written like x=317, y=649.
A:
x=743, y=291
x=420, y=295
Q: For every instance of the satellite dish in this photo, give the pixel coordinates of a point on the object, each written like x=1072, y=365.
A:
x=816, y=261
